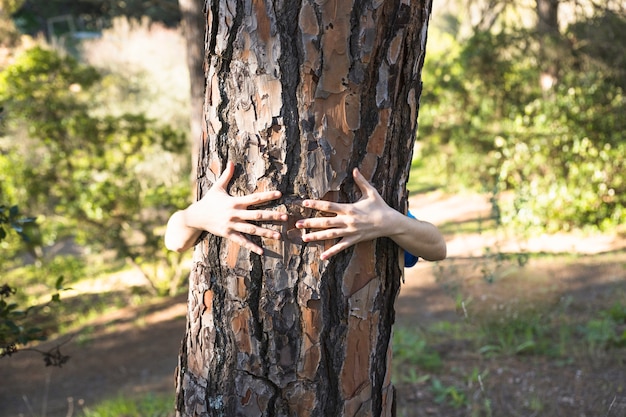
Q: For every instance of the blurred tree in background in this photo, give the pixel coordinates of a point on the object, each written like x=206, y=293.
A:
x=534, y=110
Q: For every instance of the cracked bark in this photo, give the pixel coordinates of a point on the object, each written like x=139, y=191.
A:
x=299, y=93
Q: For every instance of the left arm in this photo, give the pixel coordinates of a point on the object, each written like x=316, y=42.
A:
x=368, y=219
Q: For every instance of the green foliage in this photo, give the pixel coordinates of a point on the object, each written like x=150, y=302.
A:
x=448, y=394
x=15, y=330
x=90, y=172
x=606, y=331
x=411, y=348
x=150, y=405
x=488, y=124
x=520, y=333
x=10, y=216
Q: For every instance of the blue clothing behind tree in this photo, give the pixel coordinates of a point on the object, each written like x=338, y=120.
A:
x=410, y=259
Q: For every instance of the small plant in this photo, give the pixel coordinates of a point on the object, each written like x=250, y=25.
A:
x=411, y=348
x=448, y=394
x=608, y=330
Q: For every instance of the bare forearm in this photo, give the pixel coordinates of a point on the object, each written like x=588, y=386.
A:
x=417, y=237
x=179, y=236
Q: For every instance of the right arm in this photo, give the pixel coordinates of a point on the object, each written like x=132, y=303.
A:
x=223, y=215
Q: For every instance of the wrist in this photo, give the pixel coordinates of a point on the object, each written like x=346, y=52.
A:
x=397, y=223
x=186, y=218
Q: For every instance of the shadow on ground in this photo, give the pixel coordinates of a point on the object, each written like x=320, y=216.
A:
x=135, y=350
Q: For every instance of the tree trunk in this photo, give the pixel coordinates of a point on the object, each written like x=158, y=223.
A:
x=299, y=93
x=549, y=37
x=194, y=29
x=547, y=17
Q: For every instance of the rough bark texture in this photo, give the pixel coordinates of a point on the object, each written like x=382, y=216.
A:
x=194, y=29
x=298, y=93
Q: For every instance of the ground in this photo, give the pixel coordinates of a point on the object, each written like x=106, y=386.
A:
x=133, y=350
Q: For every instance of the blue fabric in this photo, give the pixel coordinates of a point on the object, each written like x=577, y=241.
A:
x=410, y=259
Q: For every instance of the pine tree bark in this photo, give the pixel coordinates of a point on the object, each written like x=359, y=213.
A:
x=299, y=93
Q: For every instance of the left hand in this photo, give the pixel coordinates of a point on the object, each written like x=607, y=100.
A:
x=356, y=222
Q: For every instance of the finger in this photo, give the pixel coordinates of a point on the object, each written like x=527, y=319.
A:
x=262, y=215
x=250, y=229
x=335, y=249
x=320, y=223
x=362, y=183
x=225, y=177
x=325, y=206
x=257, y=198
x=324, y=235
x=242, y=241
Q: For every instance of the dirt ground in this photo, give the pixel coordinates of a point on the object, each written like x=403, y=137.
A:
x=134, y=350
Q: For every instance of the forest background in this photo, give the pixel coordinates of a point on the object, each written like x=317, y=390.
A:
x=523, y=104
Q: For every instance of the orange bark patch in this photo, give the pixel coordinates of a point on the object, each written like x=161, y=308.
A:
x=233, y=254
x=361, y=269
x=216, y=167
x=395, y=47
x=376, y=143
x=335, y=38
x=311, y=323
x=242, y=290
x=262, y=19
x=241, y=329
x=352, y=109
x=355, y=373
x=368, y=166
x=207, y=299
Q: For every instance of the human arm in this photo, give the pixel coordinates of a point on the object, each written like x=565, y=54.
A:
x=223, y=215
x=367, y=219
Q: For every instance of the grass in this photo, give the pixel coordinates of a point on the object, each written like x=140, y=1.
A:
x=149, y=405
x=539, y=333
x=512, y=319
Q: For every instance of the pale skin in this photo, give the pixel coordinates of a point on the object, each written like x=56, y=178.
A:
x=367, y=219
x=223, y=215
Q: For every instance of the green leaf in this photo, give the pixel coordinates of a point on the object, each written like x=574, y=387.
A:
x=59, y=283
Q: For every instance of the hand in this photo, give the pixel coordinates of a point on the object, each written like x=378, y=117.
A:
x=356, y=222
x=226, y=216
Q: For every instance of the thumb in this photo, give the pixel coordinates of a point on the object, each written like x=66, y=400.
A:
x=365, y=187
x=225, y=177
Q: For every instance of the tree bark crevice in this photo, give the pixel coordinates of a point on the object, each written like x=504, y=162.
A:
x=297, y=95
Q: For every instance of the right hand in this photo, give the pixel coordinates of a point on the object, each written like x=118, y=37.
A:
x=223, y=215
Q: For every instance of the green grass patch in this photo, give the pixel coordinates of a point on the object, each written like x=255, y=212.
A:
x=150, y=405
